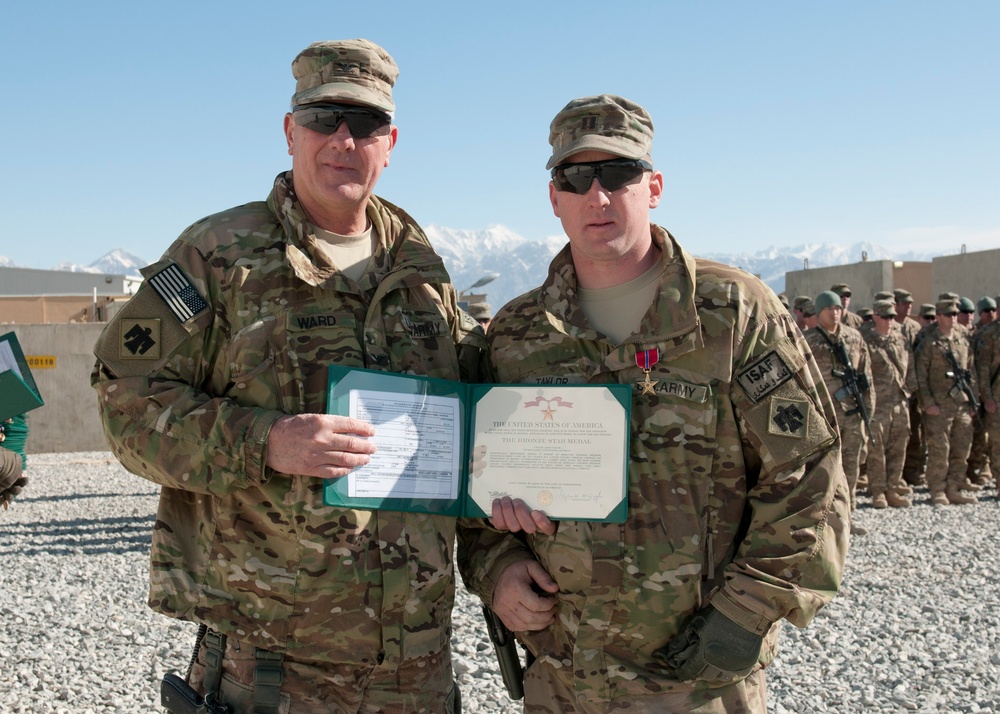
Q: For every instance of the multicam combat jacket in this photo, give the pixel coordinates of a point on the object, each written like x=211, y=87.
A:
x=827, y=363
x=892, y=369
x=736, y=490
x=188, y=403
x=936, y=388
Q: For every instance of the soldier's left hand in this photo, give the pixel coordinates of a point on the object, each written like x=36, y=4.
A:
x=514, y=515
x=711, y=648
x=8, y=493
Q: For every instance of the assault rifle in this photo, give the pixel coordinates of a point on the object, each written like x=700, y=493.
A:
x=505, y=647
x=963, y=382
x=855, y=383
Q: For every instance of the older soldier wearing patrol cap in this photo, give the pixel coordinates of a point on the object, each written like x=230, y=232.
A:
x=894, y=382
x=737, y=506
x=798, y=312
x=943, y=361
x=843, y=290
x=842, y=359
x=212, y=383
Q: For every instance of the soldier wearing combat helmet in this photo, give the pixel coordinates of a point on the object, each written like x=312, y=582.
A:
x=213, y=384
x=716, y=367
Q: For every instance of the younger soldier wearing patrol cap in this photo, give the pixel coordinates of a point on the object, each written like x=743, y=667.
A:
x=894, y=382
x=213, y=384
x=946, y=409
x=716, y=367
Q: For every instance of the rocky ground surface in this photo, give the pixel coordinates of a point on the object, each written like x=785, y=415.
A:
x=915, y=628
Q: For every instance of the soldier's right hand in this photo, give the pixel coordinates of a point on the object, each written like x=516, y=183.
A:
x=523, y=596
x=321, y=445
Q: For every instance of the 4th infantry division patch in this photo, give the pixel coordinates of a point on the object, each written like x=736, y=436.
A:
x=140, y=339
x=789, y=417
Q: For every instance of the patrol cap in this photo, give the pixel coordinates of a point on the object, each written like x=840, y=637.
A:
x=883, y=295
x=827, y=298
x=480, y=311
x=902, y=295
x=864, y=312
x=966, y=305
x=808, y=308
x=842, y=289
x=783, y=299
x=884, y=308
x=946, y=307
x=949, y=296
x=927, y=310
x=604, y=122
x=799, y=300
x=355, y=71
x=986, y=303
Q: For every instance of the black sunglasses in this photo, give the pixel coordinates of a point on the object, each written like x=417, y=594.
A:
x=612, y=174
x=361, y=122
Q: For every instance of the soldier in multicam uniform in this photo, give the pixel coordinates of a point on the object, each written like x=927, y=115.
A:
x=828, y=333
x=847, y=317
x=798, y=312
x=751, y=445
x=894, y=382
x=946, y=410
x=212, y=382
x=988, y=374
x=916, y=453
x=481, y=313
x=987, y=307
x=13, y=461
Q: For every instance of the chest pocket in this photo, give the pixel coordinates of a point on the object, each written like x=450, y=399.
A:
x=419, y=341
x=313, y=338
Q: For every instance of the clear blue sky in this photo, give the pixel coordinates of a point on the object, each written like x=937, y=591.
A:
x=777, y=123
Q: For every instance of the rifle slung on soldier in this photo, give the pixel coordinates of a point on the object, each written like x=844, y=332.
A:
x=854, y=383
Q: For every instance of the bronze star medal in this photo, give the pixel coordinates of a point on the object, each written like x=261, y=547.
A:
x=644, y=360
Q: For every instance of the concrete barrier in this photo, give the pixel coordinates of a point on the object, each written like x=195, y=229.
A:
x=68, y=421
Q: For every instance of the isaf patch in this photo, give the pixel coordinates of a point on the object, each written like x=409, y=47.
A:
x=173, y=286
x=140, y=339
x=764, y=376
x=789, y=417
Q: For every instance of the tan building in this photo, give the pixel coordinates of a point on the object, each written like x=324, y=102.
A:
x=865, y=278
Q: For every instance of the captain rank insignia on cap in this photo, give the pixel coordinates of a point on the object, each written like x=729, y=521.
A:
x=178, y=293
x=140, y=339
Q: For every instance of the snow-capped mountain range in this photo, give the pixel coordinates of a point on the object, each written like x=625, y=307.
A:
x=521, y=264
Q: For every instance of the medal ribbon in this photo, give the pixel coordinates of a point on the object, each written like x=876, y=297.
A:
x=645, y=359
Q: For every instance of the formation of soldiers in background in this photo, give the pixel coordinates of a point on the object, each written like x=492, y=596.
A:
x=897, y=378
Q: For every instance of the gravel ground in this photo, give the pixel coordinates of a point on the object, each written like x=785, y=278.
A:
x=915, y=628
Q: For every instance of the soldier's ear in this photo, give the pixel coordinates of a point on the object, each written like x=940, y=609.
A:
x=289, y=129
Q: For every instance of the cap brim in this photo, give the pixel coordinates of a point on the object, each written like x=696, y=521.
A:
x=345, y=92
x=597, y=142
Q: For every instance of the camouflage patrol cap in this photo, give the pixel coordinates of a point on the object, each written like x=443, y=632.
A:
x=357, y=71
x=604, y=122
x=480, y=311
x=986, y=303
x=827, y=298
x=884, y=295
x=808, y=308
x=902, y=295
x=949, y=296
x=783, y=299
x=884, y=308
x=946, y=307
x=842, y=289
x=799, y=300
x=927, y=310
x=966, y=305
x=865, y=312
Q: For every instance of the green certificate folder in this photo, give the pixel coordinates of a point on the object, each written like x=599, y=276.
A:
x=18, y=391
x=450, y=448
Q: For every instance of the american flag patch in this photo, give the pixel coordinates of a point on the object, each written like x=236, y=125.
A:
x=178, y=292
